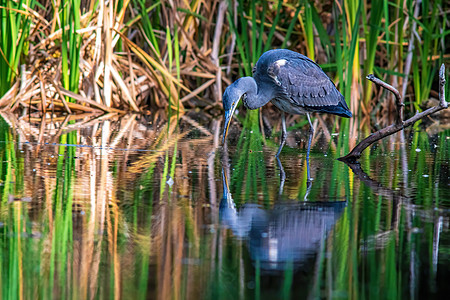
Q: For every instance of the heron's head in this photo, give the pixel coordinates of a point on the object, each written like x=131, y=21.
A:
x=233, y=93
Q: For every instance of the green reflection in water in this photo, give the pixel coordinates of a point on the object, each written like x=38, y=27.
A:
x=95, y=222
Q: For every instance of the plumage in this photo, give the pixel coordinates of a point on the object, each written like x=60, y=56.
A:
x=292, y=82
x=301, y=82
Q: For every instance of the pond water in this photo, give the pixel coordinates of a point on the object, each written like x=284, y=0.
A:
x=135, y=208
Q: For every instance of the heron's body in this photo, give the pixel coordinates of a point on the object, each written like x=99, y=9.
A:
x=292, y=82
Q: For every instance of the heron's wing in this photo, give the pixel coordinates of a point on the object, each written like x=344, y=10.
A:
x=304, y=82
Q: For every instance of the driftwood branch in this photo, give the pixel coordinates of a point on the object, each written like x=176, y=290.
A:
x=393, y=90
x=399, y=124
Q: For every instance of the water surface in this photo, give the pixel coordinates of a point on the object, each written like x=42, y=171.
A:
x=138, y=208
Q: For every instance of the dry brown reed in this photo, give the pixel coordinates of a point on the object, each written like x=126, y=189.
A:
x=137, y=57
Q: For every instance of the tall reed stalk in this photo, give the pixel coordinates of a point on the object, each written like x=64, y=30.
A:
x=70, y=45
x=14, y=31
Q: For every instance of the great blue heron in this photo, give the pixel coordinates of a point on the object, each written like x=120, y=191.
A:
x=293, y=82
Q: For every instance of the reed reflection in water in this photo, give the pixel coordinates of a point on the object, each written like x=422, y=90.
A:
x=131, y=208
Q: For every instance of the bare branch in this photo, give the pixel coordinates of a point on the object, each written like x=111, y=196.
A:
x=442, y=101
x=393, y=90
x=355, y=154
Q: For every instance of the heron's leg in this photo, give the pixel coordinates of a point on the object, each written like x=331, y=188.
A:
x=308, y=189
x=283, y=133
x=308, y=170
x=311, y=128
x=311, y=133
x=282, y=176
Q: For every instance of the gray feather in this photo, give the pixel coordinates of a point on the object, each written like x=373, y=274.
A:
x=304, y=82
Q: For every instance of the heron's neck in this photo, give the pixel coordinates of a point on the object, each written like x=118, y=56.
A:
x=254, y=95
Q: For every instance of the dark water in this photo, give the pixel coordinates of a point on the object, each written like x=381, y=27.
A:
x=135, y=209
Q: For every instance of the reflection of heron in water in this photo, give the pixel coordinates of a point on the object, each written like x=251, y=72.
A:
x=287, y=235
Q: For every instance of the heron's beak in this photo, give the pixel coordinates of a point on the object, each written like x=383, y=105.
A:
x=226, y=194
x=228, y=116
x=226, y=188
